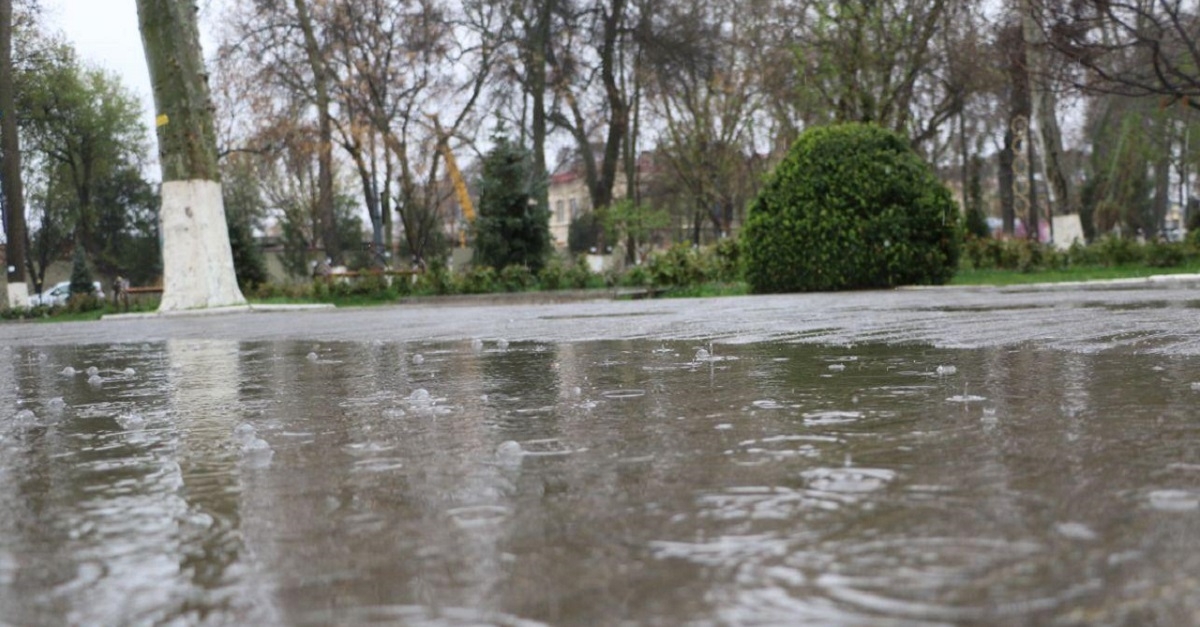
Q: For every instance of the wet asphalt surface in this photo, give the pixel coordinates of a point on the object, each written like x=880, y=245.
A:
x=1159, y=317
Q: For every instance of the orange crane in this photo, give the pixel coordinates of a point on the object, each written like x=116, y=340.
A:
x=456, y=177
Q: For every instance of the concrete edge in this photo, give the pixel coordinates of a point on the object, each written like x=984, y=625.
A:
x=1102, y=284
x=219, y=311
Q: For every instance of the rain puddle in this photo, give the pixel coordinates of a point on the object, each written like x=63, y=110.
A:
x=494, y=483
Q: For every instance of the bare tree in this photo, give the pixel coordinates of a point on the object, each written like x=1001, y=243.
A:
x=1128, y=47
x=707, y=92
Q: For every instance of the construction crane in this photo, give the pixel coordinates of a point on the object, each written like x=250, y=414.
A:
x=456, y=177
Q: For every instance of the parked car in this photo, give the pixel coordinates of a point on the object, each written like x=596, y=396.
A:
x=59, y=294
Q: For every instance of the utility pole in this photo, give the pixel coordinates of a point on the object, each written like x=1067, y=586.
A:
x=10, y=167
x=197, y=259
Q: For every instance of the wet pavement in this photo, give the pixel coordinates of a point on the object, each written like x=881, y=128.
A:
x=917, y=457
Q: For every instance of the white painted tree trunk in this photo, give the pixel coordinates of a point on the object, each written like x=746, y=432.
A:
x=197, y=259
x=18, y=295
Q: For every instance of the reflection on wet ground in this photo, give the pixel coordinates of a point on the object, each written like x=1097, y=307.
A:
x=604, y=483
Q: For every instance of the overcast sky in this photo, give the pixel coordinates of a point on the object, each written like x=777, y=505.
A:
x=105, y=34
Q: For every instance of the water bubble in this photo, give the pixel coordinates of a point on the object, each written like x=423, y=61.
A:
x=420, y=395
x=837, y=367
x=252, y=445
x=848, y=480
x=1075, y=531
x=502, y=344
x=1175, y=500
x=131, y=421
x=56, y=404
x=943, y=371
x=965, y=398
x=25, y=417
x=257, y=453
x=831, y=417
x=418, y=359
x=92, y=371
x=244, y=431
x=42, y=357
x=476, y=344
x=1196, y=386
x=701, y=355
x=576, y=392
x=311, y=357
x=95, y=380
x=509, y=452
x=68, y=372
x=129, y=372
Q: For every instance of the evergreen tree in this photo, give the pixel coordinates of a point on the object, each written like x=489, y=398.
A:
x=512, y=227
x=81, y=276
x=976, y=222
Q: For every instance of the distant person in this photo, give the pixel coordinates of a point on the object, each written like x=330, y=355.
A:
x=322, y=269
x=120, y=290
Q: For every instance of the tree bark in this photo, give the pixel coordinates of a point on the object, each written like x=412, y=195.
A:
x=197, y=258
x=10, y=168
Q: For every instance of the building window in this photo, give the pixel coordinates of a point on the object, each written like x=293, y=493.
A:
x=574, y=208
x=560, y=207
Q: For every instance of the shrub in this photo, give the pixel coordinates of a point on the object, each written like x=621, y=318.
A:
x=851, y=206
x=636, y=276
x=727, y=260
x=677, y=266
x=517, y=279
x=478, y=280
x=1164, y=254
x=1118, y=251
x=580, y=276
x=553, y=275
x=438, y=279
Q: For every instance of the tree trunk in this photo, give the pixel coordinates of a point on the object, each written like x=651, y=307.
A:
x=325, y=214
x=197, y=258
x=1162, y=186
x=10, y=168
x=1004, y=181
x=1045, y=105
x=536, y=69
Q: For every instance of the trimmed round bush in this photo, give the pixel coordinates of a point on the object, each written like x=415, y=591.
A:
x=851, y=206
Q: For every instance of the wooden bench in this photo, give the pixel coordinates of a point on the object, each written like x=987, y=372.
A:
x=134, y=293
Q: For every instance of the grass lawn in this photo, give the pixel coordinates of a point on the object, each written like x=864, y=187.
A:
x=1094, y=273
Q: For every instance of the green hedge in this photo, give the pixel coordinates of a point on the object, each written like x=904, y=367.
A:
x=851, y=206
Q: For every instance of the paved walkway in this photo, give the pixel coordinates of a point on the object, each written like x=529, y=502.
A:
x=1158, y=316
